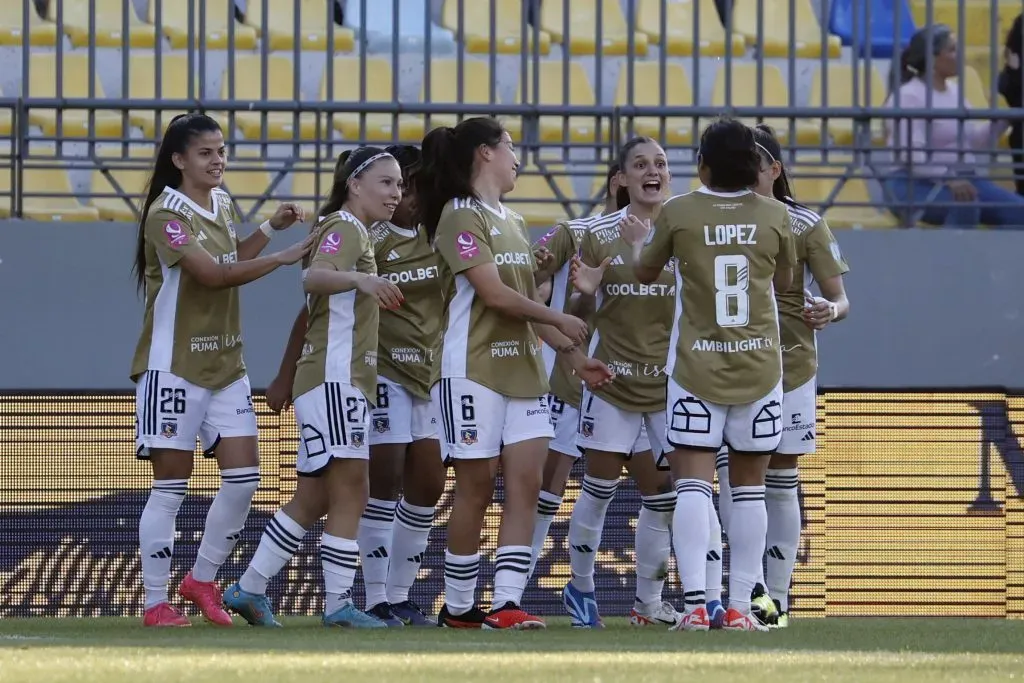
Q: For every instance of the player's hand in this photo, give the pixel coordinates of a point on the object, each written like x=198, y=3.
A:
x=963, y=190
x=279, y=394
x=287, y=214
x=595, y=373
x=297, y=251
x=543, y=259
x=817, y=313
x=633, y=230
x=387, y=293
x=585, y=278
x=573, y=328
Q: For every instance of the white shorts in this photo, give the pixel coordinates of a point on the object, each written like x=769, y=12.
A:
x=607, y=427
x=401, y=417
x=565, y=419
x=748, y=428
x=799, y=419
x=478, y=420
x=333, y=422
x=171, y=412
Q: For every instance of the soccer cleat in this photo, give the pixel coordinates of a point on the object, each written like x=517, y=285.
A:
x=582, y=607
x=697, y=620
x=512, y=616
x=207, y=597
x=716, y=614
x=410, y=614
x=348, y=616
x=474, y=618
x=383, y=612
x=738, y=621
x=783, y=620
x=164, y=615
x=255, y=609
x=762, y=606
x=654, y=614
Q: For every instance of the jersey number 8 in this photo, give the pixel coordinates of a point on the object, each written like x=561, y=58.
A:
x=732, y=303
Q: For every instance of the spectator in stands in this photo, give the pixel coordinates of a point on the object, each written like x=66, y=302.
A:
x=1011, y=85
x=937, y=169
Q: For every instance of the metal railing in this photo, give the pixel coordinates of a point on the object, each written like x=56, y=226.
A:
x=573, y=78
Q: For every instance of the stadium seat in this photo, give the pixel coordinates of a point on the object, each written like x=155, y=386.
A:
x=142, y=86
x=872, y=23
x=379, y=82
x=49, y=181
x=583, y=34
x=508, y=27
x=248, y=87
x=304, y=184
x=444, y=84
x=6, y=121
x=414, y=26
x=647, y=93
x=12, y=25
x=75, y=72
x=774, y=93
x=682, y=36
x=534, y=188
x=247, y=178
x=977, y=28
x=315, y=18
x=552, y=93
x=131, y=176
x=109, y=23
x=840, y=79
x=805, y=40
x=219, y=17
x=814, y=185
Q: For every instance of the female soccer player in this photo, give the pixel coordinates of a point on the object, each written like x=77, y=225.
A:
x=799, y=316
x=335, y=378
x=188, y=369
x=488, y=378
x=631, y=334
x=732, y=247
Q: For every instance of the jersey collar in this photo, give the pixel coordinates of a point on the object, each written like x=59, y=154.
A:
x=704, y=190
x=195, y=207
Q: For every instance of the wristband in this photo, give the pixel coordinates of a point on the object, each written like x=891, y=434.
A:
x=267, y=229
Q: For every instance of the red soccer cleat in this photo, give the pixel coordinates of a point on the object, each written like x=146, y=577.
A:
x=164, y=615
x=207, y=597
x=512, y=616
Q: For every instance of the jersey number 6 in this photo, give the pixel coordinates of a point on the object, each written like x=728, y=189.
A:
x=732, y=278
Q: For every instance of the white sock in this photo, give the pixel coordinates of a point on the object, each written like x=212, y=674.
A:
x=375, y=529
x=156, y=536
x=511, y=565
x=690, y=531
x=746, y=544
x=782, y=504
x=724, y=494
x=279, y=543
x=409, y=536
x=460, y=573
x=225, y=520
x=547, y=508
x=585, y=527
x=339, y=558
x=714, y=557
x=653, y=545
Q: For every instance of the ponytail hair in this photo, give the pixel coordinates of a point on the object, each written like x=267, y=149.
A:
x=728, y=151
x=176, y=140
x=350, y=164
x=771, y=151
x=408, y=158
x=446, y=168
x=914, y=58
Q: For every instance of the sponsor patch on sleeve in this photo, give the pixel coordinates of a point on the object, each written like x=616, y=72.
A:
x=177, y=235
x=466, y=243
x=331, y=243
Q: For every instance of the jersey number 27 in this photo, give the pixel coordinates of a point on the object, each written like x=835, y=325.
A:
x=732, y=278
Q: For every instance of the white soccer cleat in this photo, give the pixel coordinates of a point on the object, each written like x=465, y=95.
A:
x=654, y=614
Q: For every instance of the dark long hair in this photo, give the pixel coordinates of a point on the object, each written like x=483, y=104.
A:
x=409, y=158
x=348, y=162
x=771, y=151
x=622, y=196
x=728, y=151
x=176, y=140
x=914, y=58
x=446, y=171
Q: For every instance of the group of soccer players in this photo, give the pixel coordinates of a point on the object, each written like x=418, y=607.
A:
x=433, y=334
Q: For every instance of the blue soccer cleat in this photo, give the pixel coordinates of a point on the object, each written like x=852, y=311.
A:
x=410, y=614
x=582, y=607
x=716, y=614
x=384, y=612
x=348, y=616
x=254, y=608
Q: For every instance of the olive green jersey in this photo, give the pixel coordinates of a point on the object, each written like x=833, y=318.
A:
x=189, y=330
x=726, y=334
x=818, y=259
x=476, y=342
x=631, y=320
x=341, y=335
x=406, y=336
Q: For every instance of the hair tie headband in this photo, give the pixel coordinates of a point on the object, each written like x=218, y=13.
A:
x=359, y=169
x=771, y=159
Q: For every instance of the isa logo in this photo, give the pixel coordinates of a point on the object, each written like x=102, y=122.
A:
x=176, y=234
x=466, y=244
x=331, y=244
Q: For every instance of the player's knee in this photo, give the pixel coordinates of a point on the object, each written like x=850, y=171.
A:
x=781, y=461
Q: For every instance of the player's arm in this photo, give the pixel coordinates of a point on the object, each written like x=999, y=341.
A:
x=593, y=372
x=542, y=294
x=552, y=251
x=332, y=270
x=827, y=266
x=652, y=247
x=287, y=214
x=582, y=305
x=786, y=259
x=279, y=393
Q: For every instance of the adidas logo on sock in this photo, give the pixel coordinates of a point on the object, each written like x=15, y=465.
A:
x=583, y=548
x=162, y=554
x=713, y=556
x=393, y=255
x=809, y=436
x=380, y=553
x=775, y=553
x=233, y=537
x=418, y=559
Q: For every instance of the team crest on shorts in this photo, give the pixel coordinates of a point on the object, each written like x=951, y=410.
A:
x=358, y=438
x=381, y=424
x=168, y=430
x=469, y=437
x=587, y=428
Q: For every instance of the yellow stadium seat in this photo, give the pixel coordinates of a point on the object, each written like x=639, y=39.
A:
x=773, y=94
x=647, y=93
x=109, y=23
x=247, y=178
x=840, y=80
x=444, y=86
x=379, y=81
x=220, y=15
x=583, y=35
x=804, y=41
x=551, y=92
x=975, y=92
x=813, y=185
x=977, y=30
x=683, y=37
x=532, y=191
x=42, y=82
x=6, y=121
x=304, y=184
x=142, y=85
x=315, y=17
x=12, y=25
x=248, y=87
x=131, y=175
x=51, y=180
x=508, y=27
